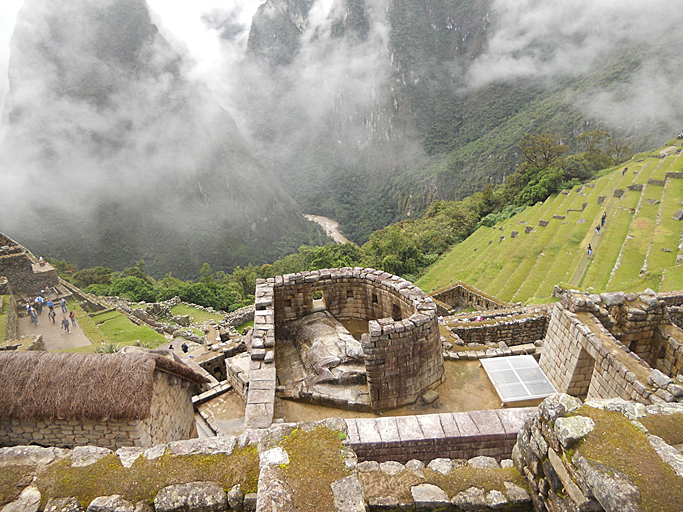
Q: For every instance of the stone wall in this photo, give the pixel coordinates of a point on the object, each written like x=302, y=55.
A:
x=513, y=330
x=215, y=365
x=426, y=437
x=18, y=269
x=403, y=354
x=239, y=316
x=12, y=330
x=582, y=357
x=565, y=478
x=463, y=295
x=171, y=412
x=670, y=342
x=69, y=433
x=171, y=418
x=4, y=286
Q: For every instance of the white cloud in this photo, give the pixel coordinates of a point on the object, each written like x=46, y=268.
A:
x=8, y=16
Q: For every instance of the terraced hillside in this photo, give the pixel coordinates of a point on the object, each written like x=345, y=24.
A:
x=522, y=258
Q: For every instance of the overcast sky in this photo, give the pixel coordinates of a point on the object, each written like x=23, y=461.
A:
x=8, y=13
x=185, y=20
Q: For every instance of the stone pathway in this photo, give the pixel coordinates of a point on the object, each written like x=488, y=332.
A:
x=54, y=336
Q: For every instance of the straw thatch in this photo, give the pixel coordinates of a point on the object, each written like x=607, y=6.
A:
x=100, y=387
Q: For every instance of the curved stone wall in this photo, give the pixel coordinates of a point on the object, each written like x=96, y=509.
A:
x=403, y=355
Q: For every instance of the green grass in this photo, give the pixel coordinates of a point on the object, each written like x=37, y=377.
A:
x=118, y=329
x=198, y=316
x=103, y=317
x=245, y=325
x=526, y=268
x=89, y=327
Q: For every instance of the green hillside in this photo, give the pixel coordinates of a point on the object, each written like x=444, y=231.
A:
x=521, y=259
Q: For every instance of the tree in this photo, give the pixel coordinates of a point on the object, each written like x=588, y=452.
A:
x=541, y=150
x=592, y=139
x=206, y=273
x=618, y=150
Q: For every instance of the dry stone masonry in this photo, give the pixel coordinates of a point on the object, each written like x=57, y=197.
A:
x=614, y=345
x=461, y=296
x=403, y=355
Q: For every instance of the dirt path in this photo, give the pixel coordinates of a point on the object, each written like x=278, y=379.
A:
x=54, y=336
x=331, y=227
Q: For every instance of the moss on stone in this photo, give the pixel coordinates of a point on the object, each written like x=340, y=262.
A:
x=377, y=484
x=13, y=479
x=145, y=478
x=667, y=426
x=618, y=444
x=315, y=461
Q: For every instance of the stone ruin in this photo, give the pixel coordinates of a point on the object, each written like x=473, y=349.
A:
x=400, y=357
x=616, y=345
x=618, y=354
x=459, y=296
x=22, y=270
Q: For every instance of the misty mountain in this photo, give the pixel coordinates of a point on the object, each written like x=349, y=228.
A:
x=113, y=154
x=374, y=109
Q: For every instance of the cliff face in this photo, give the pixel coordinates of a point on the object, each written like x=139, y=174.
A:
x=113, y=154
x=374, y=109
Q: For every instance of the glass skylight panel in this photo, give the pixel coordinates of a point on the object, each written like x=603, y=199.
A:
x=517, y=378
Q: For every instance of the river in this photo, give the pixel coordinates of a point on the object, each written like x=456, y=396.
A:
x=331, y=227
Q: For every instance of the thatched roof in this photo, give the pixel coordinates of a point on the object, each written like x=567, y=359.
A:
x=43, y=385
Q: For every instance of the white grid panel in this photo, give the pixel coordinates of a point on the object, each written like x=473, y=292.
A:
x=517, y=378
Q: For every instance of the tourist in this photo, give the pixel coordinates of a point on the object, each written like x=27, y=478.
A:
x=597, y=229
x=170, y=346
x=41, y=261
x=62, y=303
x=184, y=347
x=72, y=317
x=32, y=313
x=65, y=324
x=51, y=305
x=624, y=171
x=38, y=301
x=51, y=316
x=603, y=219
x=590, y=251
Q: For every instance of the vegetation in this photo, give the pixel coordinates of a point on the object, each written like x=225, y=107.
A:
x=605, y=445
x=197, y=315
x=119, y=331
x=405, y=248
x=145, y=478
x=315, y=462
x=637, y=248
x=377, y=484
x=10, y=477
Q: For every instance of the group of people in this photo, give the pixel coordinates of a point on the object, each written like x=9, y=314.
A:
x=603, y=219
x=184, y=347
x=34, y=308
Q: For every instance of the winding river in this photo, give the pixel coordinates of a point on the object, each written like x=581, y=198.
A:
x=331, y=227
